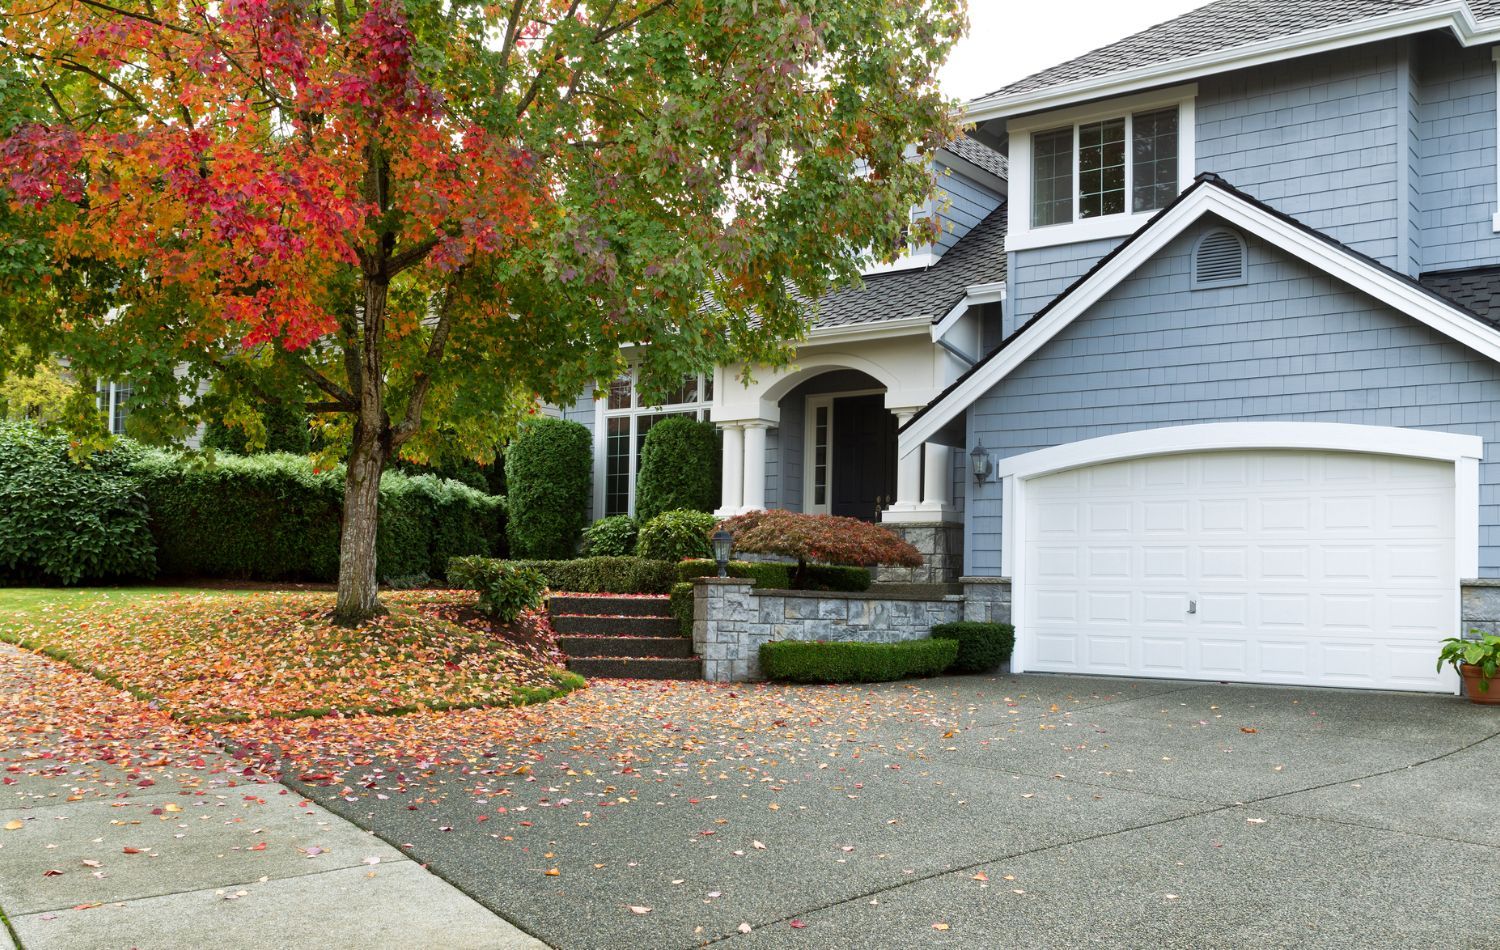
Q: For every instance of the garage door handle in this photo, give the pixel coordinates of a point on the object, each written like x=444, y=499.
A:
x=1192, y=606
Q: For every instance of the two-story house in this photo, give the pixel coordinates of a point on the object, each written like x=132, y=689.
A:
x=1243, y=422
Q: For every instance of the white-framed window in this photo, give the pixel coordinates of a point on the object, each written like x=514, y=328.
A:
x=621, y=424
x=114, y=400
x=1101, y=170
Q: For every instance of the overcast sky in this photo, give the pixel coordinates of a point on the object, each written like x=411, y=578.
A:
x=1011, y=39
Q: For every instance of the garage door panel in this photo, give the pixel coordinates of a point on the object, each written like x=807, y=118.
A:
x=1284, y=567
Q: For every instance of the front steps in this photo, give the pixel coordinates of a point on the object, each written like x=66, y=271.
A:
x=625, y=637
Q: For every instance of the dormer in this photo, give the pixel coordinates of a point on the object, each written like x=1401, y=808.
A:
x=970, y=183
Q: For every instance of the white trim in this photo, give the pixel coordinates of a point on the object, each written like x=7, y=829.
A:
x=1495, y=55
x=870, y=331
x=914, y=259
x=977, y=295
x=1358, y=273
x=700, y=409
x=1462, y=451
x=1450, y=14
x=1021, y=235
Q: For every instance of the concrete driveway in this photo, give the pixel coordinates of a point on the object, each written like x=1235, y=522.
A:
x=1034, y=811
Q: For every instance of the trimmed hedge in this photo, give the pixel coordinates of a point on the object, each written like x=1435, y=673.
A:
x=682, y=607
x=804, y=661
x=674, y=535
x=679, y=468
x=66, y=522
x=548, y=470
x=610, y=537
x=982, y=647
x=275, y=517
x=777, y=575
x=585, y=575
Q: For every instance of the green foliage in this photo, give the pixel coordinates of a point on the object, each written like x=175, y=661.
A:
x=674, y=535
x=277, y=428
x=548, y=469
x=610, y=537
x=679, y=468
x=682, y=607
x=802, y=661
x=67, y=522
x=1483, y=651
x=276, y=516
x=507, y=589
x=585, y=575
x=35, y=391
x=982, y=647
x=777, y=575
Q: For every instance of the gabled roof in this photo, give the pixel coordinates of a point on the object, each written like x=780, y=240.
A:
x=1209, y=195
x=981, y=155
x=1231, y=33
x=1476, y=289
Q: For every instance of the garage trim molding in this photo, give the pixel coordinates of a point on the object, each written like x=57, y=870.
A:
x=1462, y=451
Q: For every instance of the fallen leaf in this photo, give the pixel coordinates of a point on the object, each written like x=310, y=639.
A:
x=15, y=824
x=945, y=926
x=744, y=928
x=638, y=909
x=798, y=925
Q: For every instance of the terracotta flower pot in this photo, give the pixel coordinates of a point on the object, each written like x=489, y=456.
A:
x=1471, y=675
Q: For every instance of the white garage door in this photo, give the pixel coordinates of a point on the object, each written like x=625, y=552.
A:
x=1314, y=568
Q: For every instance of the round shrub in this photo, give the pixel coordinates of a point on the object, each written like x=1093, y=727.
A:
x=982, y=647
x=548, y=469
x=67, y=522
x=679, y=468
x=610, y=537
x=674, y=535
x=508, y=590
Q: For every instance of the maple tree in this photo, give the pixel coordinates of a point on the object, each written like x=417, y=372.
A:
x=413, y=219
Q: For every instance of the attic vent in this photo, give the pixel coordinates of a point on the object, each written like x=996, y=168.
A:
x=1219, y=260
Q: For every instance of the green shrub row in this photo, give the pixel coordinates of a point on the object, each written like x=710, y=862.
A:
x=777, y=575
x=982, y=647
x=507, y=588
x=682, y=607
x=586, y=575
x=277, y=517
x=803, y=661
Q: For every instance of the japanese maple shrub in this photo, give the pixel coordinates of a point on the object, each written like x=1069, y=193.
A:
x=828, y=539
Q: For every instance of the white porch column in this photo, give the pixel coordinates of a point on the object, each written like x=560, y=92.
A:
x=733, y=498
x=937, y=477
x=755, y=467
x=908, y=478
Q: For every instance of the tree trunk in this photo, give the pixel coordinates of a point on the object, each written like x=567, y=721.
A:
x=359, y=593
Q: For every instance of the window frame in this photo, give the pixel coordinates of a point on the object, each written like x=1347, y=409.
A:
x=698, y=409
x=113, y=398
x=1022, y=234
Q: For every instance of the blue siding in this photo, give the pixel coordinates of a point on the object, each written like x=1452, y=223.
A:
x=1456, y=111
x=1315, y=137
x=960, y=205
x=1036, y=276
x=1293, y=344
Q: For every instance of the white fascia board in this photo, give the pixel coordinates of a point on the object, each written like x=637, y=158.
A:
x=1454, y=15
x=1360, y=274
x=977, y=295
x=905, y=326
x=917, y=259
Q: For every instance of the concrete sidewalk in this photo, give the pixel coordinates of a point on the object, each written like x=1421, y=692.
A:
x=132, y=837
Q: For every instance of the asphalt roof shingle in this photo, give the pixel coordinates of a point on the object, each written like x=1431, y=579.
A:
x=1476, y=289
x=1219, y=26
x=981, y=155
x=977, y=258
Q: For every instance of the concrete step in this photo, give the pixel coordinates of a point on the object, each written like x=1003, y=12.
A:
x=664, y=647
x=569, y=624
x=606, y=606
x=637, y=668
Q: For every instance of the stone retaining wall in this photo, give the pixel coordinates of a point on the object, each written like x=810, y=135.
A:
x=1480, y=605
x=941, y=545
x=731, y=620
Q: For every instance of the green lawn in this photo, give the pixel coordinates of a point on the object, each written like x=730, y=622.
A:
x=29, y=603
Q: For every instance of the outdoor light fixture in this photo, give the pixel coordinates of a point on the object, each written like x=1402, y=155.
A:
x=723, y=543
x=979, y=461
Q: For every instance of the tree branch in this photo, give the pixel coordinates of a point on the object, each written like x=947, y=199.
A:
x=542, y=71
x=422, y=379
x=655, y=8
x=129, y=14
x=396, y=263
x=346, y=399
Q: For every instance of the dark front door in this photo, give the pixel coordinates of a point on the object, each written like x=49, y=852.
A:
x=864, y=457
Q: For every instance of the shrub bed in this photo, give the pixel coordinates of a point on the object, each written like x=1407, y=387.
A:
x=805, y=661
x=586, y=575
x=982, y=647
x=674, y=535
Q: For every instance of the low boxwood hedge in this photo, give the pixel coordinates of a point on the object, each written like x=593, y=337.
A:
x=682, y=607
x=803, y=661
x=982, y=647
x=585, y=575
x=777, y=575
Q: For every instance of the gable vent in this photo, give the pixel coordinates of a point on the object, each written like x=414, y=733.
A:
x=1219, y=260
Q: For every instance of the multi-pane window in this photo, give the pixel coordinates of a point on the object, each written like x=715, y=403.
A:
x=822, y=416
x=626, y=422
x=114, y=400
x=1051, y=177
x=1112, y=166
x=1101, y=168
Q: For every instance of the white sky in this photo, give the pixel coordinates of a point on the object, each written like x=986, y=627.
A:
x=1011, y=39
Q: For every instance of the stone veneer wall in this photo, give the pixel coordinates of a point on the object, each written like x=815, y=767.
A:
x=1480, y=605
x=941, y=545
x=731, y=620
x=986, y=599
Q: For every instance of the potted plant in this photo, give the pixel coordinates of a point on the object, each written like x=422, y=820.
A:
x=1477, y=661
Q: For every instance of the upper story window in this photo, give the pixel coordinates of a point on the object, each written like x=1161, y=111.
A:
x=114, y=400
x=1087, y=171
x=1101, y=170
